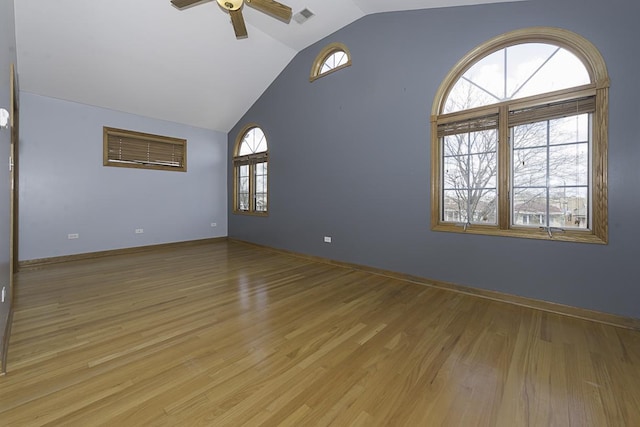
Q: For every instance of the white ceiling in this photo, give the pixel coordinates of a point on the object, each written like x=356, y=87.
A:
x=148, y=58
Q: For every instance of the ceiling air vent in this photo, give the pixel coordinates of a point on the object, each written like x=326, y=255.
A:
x=302, y=16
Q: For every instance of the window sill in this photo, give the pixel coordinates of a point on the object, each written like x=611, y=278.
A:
x=248, y=213
x=576, y=236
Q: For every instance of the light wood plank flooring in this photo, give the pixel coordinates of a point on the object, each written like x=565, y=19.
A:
x=226, y=334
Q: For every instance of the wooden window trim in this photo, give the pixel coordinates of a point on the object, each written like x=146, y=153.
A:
x=162, y=142
x=251, y=160
x=595, y=65
x=322, y=57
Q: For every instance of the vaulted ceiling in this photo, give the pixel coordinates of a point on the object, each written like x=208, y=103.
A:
x=148, y=58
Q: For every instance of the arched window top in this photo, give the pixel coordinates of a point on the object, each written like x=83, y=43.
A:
x=334, y=60
x=514, y=72
x=253, y=142
x=519, y=64
x=331, y=58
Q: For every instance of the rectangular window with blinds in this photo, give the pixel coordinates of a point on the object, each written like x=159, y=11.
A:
x=129, y=149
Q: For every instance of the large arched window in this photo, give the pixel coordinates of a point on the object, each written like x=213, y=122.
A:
x=250, y=166
x=519, y=139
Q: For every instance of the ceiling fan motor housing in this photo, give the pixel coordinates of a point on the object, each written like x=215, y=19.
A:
x=230, y=4
x=234, y=7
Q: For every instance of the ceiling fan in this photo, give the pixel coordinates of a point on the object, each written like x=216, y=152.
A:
x=270, y=7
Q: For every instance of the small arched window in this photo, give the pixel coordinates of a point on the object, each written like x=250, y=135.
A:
x=519, y=139
x=332, y=58
x=250, y=167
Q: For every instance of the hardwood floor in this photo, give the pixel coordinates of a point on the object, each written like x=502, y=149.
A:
x=229, y=334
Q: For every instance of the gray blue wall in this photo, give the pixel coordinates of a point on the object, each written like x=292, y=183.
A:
x=65, y=189
x=350, y=156
x=7, y=57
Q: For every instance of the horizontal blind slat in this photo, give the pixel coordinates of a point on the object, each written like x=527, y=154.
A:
x=469, y=125
x=552, y=111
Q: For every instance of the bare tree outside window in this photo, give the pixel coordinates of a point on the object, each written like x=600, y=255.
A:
x=243, y=187
x=470, y=177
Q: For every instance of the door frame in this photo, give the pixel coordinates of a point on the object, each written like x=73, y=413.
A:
x=13, y=210
x=14, y=114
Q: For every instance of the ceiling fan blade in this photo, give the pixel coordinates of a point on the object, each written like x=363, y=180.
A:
x=181, y=4
x=273, y=8
x=238, y=23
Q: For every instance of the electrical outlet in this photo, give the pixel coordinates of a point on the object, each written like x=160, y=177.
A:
x=73, y=236
x=139, y=230
x=213, y=224
x=327, y=239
